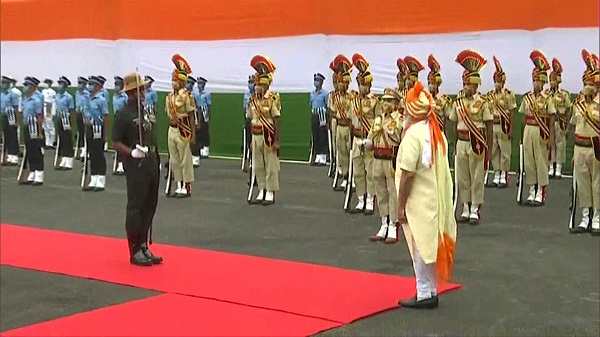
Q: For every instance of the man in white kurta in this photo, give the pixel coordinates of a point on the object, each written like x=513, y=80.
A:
x=425, y=205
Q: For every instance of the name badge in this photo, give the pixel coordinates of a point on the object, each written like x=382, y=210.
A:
x=97, y=131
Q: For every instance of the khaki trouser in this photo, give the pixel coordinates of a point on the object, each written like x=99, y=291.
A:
x=342, y=142
x=535, y=152
x=333, y=135
x=266, y=164
x=180, y=155
x=385, y=189
x=587, y=174
x=363, y=170
x=558, y=154
x=470, y=173
x=501, y=150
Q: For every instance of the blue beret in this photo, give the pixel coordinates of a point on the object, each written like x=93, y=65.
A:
x=319, y=76
x=64, y=80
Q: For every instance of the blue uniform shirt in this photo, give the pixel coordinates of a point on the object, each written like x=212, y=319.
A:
x=247, y=96
x=64, y=103
x=203, y=101
x=318, y=99
x=8, y=102
x=97, y=109
x=151, y=99
x=104, y=93
x=119, y=101
x=32, y=106
x=81, y=98
x=37, y=93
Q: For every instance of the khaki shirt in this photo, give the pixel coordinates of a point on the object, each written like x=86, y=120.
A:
x=504, y=99
x=368, y=108
x=179, y=104
x=386, y=130
x=269, y=107
x=477, y=107
x=582, y=127
x=543, y=103
x=342, y=101
x=443, y=105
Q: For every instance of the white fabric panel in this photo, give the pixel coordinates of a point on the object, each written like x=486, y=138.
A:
x=226, y=63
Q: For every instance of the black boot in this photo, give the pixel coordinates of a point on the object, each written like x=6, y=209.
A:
x=137, y=256
x=155, y=259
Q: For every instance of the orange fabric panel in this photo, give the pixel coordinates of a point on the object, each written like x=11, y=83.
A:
x=27, y=20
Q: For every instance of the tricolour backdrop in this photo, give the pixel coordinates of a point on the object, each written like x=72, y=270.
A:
x=218, y=37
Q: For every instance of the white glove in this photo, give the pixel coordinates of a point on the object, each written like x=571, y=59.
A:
x=368, y=144
x=139, y=152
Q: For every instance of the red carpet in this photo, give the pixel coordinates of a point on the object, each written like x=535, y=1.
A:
x=177, y=315
x=330, y=293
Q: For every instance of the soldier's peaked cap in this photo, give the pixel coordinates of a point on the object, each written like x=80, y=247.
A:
x=95, y=80
x=319, y=76
x=48, y=80
x=101, y=79
x=82, y=79
x=118, y=79
x=192, y=79
x=65, y=80
x=29, y=81
x=201, y=79
x=35, y=80
x=5, y=79
x=148, y=78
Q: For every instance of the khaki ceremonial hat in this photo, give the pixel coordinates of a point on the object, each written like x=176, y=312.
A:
x=133, y=81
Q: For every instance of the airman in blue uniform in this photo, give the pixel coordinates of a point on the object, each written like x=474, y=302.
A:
x=96, y=121
x=81, y=100
x=65, y=117
x=9, y=111
x=191, y=82
x=204, y=104
x=247, y=138
x=150, y=95
x=33, y=118
x=119, y=101
x=104, y=92
x=318, y=105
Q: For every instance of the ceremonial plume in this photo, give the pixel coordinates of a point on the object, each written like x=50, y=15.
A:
x=413, y=65
x=556, y=66
x=499, y=75
x=433, y=64
x=182, y=68
x=360, y=63
x=539, y=60
x=473, y=62
x=262, y=65
x=401, y=65
x=341, y=64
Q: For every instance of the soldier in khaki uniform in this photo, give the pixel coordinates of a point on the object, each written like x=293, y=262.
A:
x=586, y=155
x=443, y=103
x=503, y=104
x=383, y=140
x=562, y=103
x=414, y=67
x=424, y=183
x=364, y=110
x=340, y=108
x=538, y=134
x=401, y=78
x=473, y=137
x=181, y=136
x=264, y=112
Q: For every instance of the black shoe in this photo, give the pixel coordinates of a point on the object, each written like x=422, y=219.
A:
x=413, y=303
x=578, y=230
x=155, y=259
x=595, y=232
x=140, y=259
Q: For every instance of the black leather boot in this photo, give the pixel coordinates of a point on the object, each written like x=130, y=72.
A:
x=137, y=255
x=144, y=243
